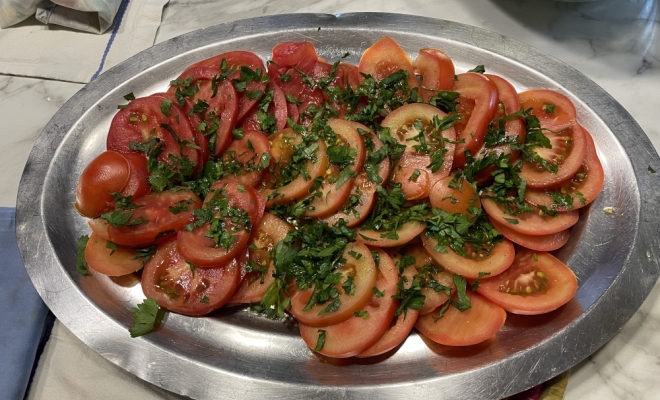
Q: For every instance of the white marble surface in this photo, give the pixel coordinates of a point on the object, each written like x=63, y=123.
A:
x=605, y=39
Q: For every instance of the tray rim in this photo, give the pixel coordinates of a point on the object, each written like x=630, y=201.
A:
x=29, y=220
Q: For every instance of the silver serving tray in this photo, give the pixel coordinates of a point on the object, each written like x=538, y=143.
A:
x=234, y=351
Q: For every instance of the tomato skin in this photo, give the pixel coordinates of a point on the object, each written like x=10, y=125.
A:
x=365, y=274
x=384, y=58
x=588, y=181
x=169, y=279
x=406, y=233
x=249, y=156
x=104, y=260
x=356, y=334
x=498, y=260
x=153, y=207
x=107, y=173
x=479, y=323
x=278, y=107
x=557, y=284
x=138, y=181
x=474, y=89
x=437, y=71
x=531, y=223
x=548, y=242
x=301, y=55
x=394, y=335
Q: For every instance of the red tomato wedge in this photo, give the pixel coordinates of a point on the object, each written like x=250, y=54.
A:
x=534, y=223
x=170, y=280
x=479, y=323
x=220, y=106
x=248, y=157
x=364, y=273
x=496, y=261
x=384, y=58
x=225, y=232
x=454, y=198
x=358, y=333
x=536, y=283
x=268, y=233
x=424, y=153
x=109, y=259
x=237, y=60
x=143, y=119
x=477, y=106
x=138, y=181
x=159, y=220
x=403, y=235
x=108, y=173
x=364, y=190
x=283, y=148
x=336, y=187
x=583, y=187
x=554, y=110
x=548, y=242
x=437, y=72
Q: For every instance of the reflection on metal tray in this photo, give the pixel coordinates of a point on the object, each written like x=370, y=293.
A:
x=233, y=351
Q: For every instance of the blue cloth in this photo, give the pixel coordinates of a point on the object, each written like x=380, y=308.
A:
x=22, y=314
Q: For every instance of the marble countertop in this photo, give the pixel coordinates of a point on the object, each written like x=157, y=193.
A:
x=613, y=42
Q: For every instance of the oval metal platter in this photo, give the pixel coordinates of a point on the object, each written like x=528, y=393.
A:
x=235, y=351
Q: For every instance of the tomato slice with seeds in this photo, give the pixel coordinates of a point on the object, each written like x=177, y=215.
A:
x=536, y=283
x=477, y=105
x=454, y=198
x=358, y=333
x=548, y=242
x=248, y=156
x=226, y=234
x=107, y=173
x=479, y=323
x=494, y=261
x=534, y=223
x=103, y=257
x=177, y=286
x=143, y=119
x=333, y=192
x=384, y=58
x=583, y=187
x=437, y=72
x=364, y=272
x=267, y=234
x=160, y=220
x=428, y=155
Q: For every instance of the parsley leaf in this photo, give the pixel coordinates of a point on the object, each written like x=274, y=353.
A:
x=145, y=317
x=81, y=262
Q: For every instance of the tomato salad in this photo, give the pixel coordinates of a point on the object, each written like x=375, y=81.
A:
x=363, y=201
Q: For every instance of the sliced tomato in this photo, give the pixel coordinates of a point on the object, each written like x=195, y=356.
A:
x=108, y=173
x=384, y=58
x=138, y=181
x=283, y=147
x=458, y=197
x=143, y=119
x=333, y=193
x=480, y=322
x=424, y=161
x=554, y=110
x=536, y=283
x=493, y=262
x=548, y=242
x=267, y=234
x=364, y=272
x=395, y=334
x=109, y=259
x=426, y=270
x=358, y=333
x=157, y=210
x=344, y=75
x=535, y=223
x=177, y=286
x=583, y=187
x=223, y=237
x=477, y=106
x=437, y=72
x=248, y=157
x=258, y=119
x=363, y=194
x=301, y=55
x=403, y=235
